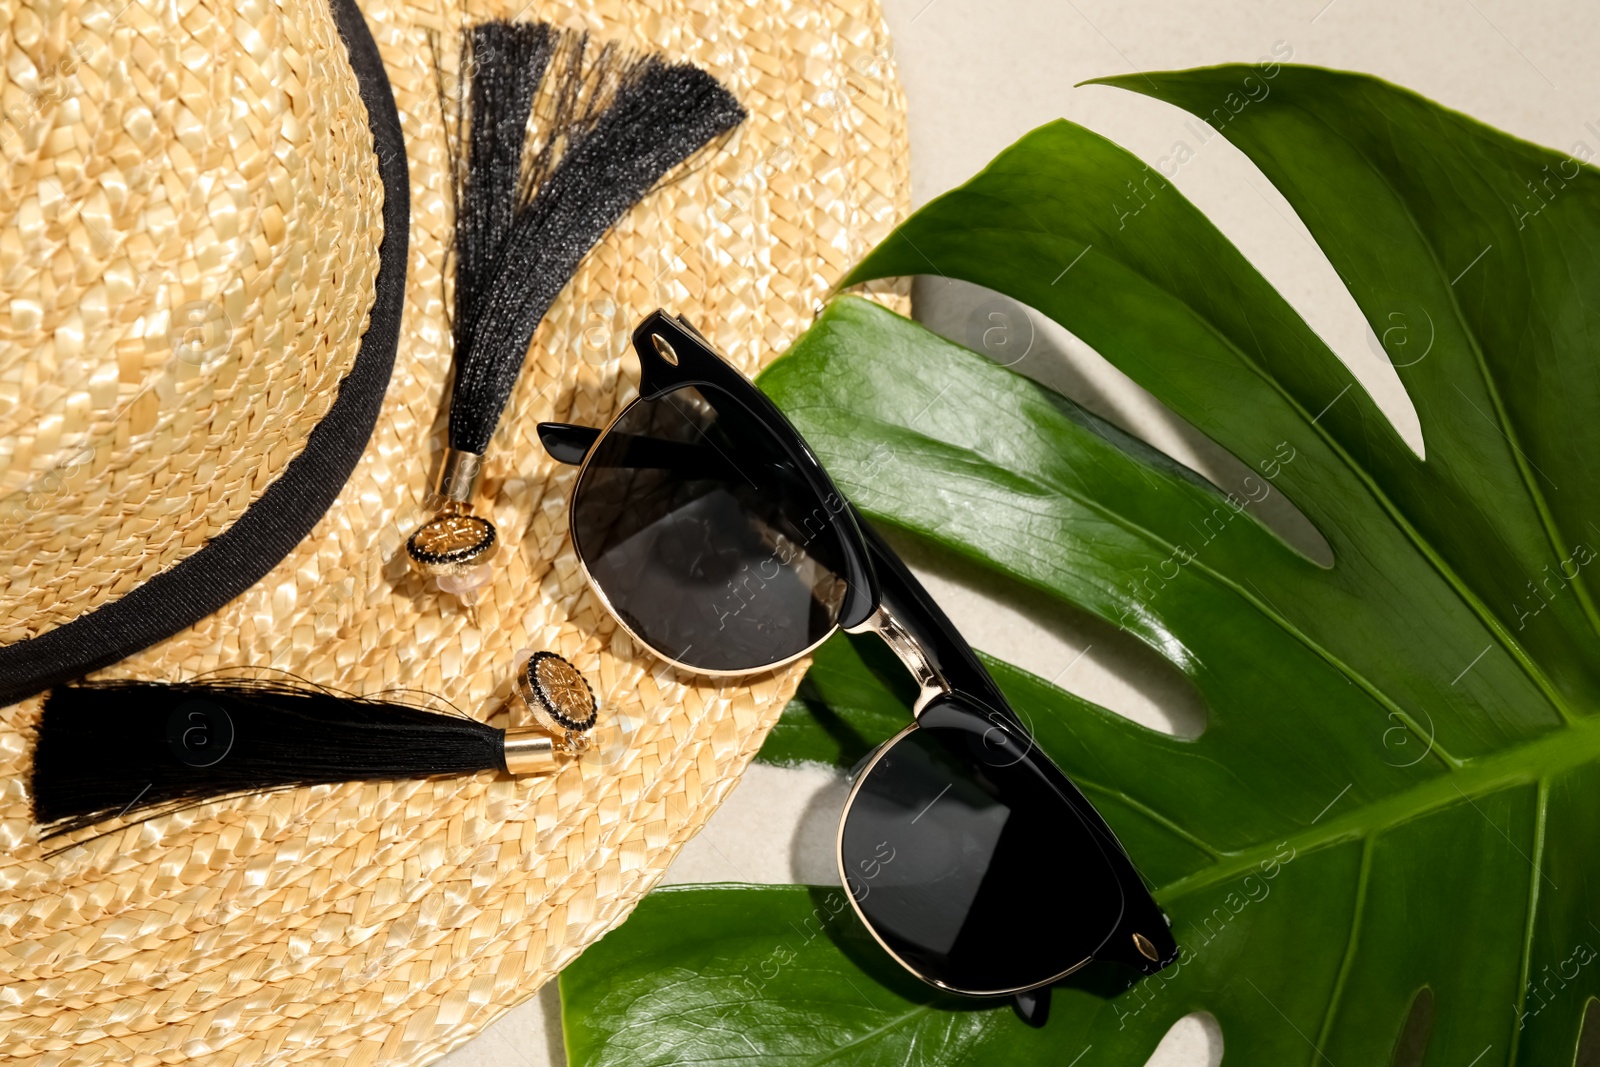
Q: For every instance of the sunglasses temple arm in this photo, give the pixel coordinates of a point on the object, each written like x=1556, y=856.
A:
x=570, y=444
x=567, y=443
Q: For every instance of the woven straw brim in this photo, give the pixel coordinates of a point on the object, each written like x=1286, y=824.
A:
x=387, y=923
x=190, y=214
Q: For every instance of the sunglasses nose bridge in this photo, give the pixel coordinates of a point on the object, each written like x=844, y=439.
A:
x=909, y=651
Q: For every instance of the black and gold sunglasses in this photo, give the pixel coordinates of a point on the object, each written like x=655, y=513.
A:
x=710, y=530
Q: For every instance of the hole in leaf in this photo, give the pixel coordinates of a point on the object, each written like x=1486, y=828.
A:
x=1061, y=644
x=1015, y=335
x=1238, y=198
x=1193, y=1040
x=1589, y=1039
x=1413, y=1041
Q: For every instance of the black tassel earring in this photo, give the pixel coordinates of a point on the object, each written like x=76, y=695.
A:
x=528, y=209
x=117, y=748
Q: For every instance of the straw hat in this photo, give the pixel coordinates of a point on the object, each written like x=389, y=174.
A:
x=196, y=241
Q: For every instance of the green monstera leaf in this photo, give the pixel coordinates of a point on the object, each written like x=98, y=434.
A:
x=1396, y=799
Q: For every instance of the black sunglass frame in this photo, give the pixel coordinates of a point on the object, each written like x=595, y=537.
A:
x=884, y=597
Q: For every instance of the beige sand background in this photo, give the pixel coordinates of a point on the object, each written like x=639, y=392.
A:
x=980, y=73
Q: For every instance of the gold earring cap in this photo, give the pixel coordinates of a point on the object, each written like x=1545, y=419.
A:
x=529, y=750
x=459, y=474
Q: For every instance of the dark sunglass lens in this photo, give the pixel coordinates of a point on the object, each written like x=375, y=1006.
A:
x=970, y=865
x=703, y=536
